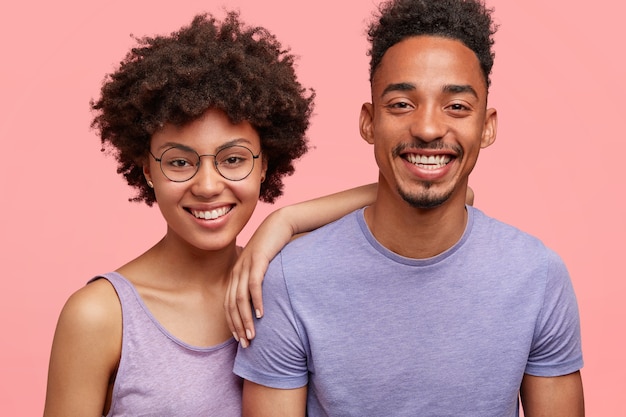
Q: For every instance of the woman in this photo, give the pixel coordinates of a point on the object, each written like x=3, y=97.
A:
x=204, y=122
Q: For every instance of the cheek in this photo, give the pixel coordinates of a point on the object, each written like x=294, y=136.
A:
x=248, y=197
x=474, y=145
x=166, y=192
x=385, y=139
x=248, y=189
x=388, y=134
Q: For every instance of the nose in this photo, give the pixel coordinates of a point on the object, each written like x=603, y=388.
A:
x=207, y=182
x=427, y=123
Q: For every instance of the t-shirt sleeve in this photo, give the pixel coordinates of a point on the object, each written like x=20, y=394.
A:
x=276, y=356
x=556, y=348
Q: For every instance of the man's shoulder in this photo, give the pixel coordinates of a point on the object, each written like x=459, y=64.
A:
x=506, y=238
x=500, y=229
x=341, y=229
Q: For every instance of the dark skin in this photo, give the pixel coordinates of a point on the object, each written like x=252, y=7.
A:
x=427, y=89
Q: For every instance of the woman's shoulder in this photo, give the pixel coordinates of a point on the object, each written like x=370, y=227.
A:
x=87, y=341
x=93, y=309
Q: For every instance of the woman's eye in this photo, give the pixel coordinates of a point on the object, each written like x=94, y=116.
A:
x=179, y=163
x=232, y=160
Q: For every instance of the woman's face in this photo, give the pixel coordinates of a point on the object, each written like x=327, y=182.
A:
x=207, y=211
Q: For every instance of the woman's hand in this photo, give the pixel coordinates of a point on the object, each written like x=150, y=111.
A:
x=244, y=290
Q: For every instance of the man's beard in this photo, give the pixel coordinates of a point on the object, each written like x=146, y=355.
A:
x=424, y=199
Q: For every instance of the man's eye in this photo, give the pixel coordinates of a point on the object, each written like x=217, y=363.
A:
x=458, y=107
x=399, y=106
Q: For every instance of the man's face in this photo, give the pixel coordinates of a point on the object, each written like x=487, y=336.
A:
x=428, y=119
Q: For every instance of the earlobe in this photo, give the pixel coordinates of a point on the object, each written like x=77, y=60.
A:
x=366, y=125
x=146, y=174
x=490, y=129
x=263, y=169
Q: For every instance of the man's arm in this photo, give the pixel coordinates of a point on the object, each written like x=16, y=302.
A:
x=262, y=401
x=560, y=396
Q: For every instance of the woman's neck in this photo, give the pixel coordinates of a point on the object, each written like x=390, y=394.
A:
x=173, y=263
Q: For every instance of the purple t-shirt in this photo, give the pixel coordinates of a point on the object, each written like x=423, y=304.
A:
x=160, y=375
x=375, y=334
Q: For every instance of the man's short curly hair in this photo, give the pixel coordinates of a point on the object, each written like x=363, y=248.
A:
x=468, y=21
x=241, y=70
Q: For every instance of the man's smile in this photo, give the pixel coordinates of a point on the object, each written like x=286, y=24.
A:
x=428, y=162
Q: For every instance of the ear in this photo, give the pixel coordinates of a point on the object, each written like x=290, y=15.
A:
x=490, y=128
x=366, y=122
x=263, y=167
x=146, y=170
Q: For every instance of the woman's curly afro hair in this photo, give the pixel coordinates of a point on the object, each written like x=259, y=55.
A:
x=175, y=79
x=468, y=21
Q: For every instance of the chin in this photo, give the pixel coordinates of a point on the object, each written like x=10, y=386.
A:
x=427, y=199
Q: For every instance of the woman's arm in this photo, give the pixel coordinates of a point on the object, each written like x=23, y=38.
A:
x=85, y=352
x=274, y=233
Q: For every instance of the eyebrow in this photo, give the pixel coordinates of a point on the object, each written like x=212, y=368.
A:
x=448, y=89
x=232, y=142
x=399, y=87
x=459, y=89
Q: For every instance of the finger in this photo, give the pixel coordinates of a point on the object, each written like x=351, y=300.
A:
x=256, y=286
x=244, y=308
x=233, y=317
x=229, y=321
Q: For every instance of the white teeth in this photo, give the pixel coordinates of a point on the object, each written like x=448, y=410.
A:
x=429, y=162
x=210, y=214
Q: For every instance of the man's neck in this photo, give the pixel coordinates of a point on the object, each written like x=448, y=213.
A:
x=416, y=233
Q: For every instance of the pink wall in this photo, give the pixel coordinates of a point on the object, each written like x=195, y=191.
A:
x=554, y=170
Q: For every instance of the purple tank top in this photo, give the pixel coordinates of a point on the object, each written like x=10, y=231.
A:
x=159, y=375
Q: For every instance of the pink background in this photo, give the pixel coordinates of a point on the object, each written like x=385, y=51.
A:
x=554, y=170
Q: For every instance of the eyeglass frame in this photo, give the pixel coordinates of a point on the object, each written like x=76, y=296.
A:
x=215, y=163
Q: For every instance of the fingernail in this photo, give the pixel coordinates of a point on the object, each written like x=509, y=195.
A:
x=258, y=313
x=248, y=334
x=244, y=343
x=235, y=336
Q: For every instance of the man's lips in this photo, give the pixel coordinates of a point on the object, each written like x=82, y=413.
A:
x=428, y=161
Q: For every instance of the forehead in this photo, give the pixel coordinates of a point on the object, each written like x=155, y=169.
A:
x=429, y=61
x=210, y=131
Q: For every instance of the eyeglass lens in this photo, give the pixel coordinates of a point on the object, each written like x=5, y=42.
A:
x=233, y=163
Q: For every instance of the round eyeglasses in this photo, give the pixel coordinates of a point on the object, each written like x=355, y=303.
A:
x=180, y=164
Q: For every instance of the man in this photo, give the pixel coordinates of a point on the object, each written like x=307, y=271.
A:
x=419, y=305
